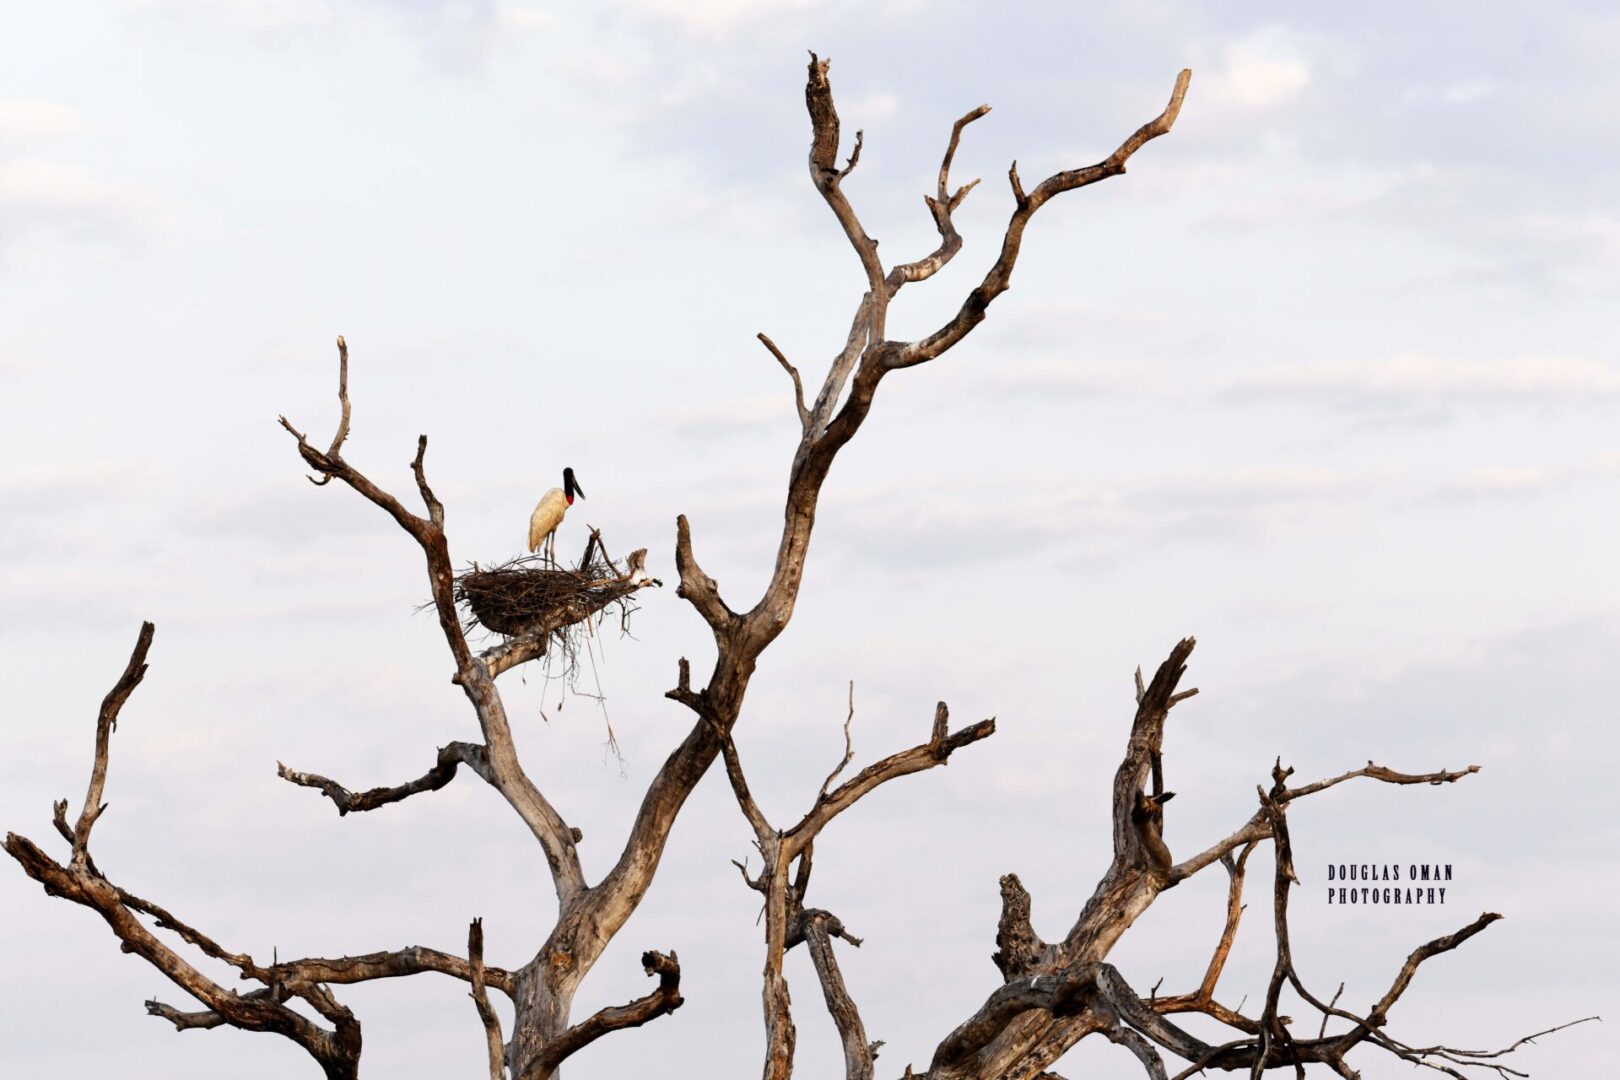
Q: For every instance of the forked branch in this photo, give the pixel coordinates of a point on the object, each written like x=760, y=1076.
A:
x=500, y=765
x=666, y=998
x=999, y=278
x=336, y=1048
x=787, y=920
x=1054, y=996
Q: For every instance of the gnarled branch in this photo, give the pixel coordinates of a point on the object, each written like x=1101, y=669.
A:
x=665, y=999
x=940, y=205
x=335, y=1049
x=451, y=757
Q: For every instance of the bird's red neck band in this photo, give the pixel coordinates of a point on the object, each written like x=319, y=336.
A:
x=570, y=499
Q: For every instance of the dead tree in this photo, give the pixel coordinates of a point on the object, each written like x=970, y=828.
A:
x=1052, y=995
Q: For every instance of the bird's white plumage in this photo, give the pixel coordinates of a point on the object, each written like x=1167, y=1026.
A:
x=548, y=514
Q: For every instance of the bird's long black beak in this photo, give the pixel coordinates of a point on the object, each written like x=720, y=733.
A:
x=571, y=486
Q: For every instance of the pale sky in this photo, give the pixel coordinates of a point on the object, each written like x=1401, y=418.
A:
x=1328, y=380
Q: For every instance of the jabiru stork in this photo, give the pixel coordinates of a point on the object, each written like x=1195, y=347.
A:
x=548, y=514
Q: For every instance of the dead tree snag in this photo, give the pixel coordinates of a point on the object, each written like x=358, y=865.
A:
x=1051, y=995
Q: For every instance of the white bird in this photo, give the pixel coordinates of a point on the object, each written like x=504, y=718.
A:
x=548, y=514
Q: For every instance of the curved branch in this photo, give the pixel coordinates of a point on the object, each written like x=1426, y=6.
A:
x=1121, y=1035
x=450, y=758
x=106, y=722
x=389, y=964
x=793, y=373
x=336, y=1050
x=1378, y=772
x=940, y=205
x=666, y=999
x=1019, y=950
x=999, y=277
x=936, y=751
x=696, y=587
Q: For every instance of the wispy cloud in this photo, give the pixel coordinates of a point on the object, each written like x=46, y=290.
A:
x=1263, y=68
x=1461, y=93
x=1497, y=482
x=1490, y=483
x=251, y=16
x=735, y=417
x=1418, y=383
x=1063, y=380
x=44, y=197
x=28, y=121
x=719, y=18
x=526, y=17
x=929, y=529
x=61, y=488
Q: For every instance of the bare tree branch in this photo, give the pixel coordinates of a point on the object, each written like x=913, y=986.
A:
x=336, y=449
x=1051, y=996
x=486, y=1011
x=1054, y=996
x=106, y=721
x=1121, y=1035
x=849, y=746
x=1018, y=948
x=696, y=587
x=665, y=999
x=940, y=205
x=504, y=771
x=450, y=758
x=793, y=373
x=336, y=1050
x=787, y=920
x=824, y=171
x=858, y=1051
x=1258, y=827
x=1203, y=999
x=1378, y=772
x=390, y=964
x=745, y=798
x=936, y=751
x=1273, y=1029
x=999, y=277
x=201, y=1020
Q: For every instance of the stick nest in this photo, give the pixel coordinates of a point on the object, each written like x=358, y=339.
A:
x=525, y=596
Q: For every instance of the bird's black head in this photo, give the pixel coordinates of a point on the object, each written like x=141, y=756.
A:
x=571, y=486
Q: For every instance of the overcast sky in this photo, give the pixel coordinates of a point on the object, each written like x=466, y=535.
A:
x=1328, y=380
